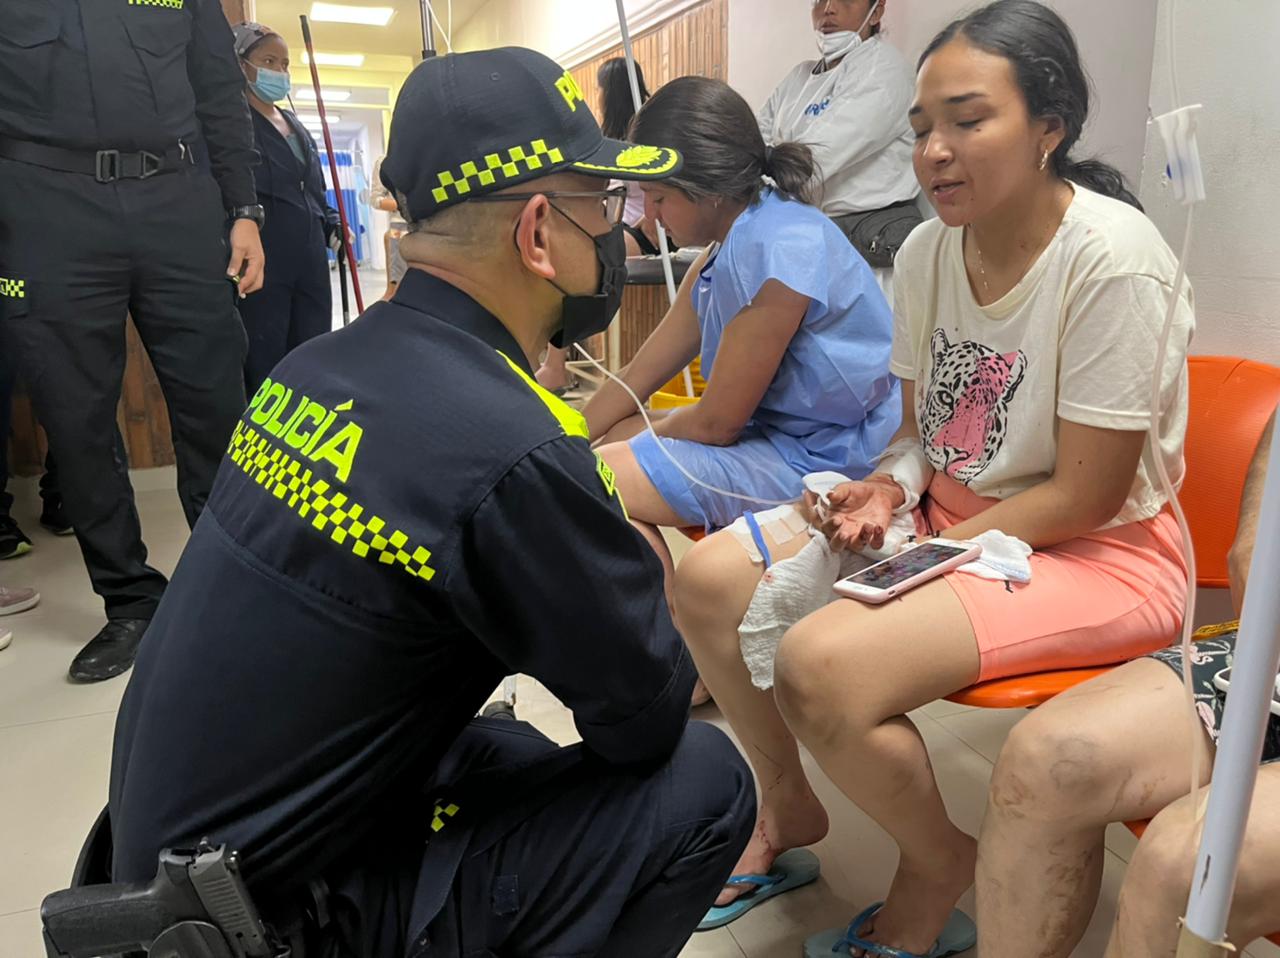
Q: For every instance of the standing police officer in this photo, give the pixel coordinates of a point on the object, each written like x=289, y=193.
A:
x=405, y=517
x=104, y=212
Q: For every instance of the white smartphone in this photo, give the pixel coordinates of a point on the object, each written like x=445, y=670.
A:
x=898, y=574
x=1223, y=681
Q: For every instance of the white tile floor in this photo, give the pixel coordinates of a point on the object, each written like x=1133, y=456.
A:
x=55, y=743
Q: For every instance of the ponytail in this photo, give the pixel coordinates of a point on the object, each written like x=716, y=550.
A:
x=1097, y=176
x=717, y=134
x=791, y=166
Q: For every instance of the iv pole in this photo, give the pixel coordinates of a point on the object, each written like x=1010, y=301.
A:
x=1244, y=723
x=428, y=38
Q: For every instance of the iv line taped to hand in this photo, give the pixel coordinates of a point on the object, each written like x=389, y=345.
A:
x=648, y=423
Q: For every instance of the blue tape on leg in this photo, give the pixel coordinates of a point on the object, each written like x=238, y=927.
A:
x=758, y=536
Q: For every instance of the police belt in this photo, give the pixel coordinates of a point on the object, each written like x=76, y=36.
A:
x=105, y=166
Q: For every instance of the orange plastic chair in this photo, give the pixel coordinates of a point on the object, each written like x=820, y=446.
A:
x=1230, y=402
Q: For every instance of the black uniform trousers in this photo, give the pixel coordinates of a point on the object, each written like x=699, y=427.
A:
x=50, y=491
x=296, y=301
x=79, y=255
x=553, y=853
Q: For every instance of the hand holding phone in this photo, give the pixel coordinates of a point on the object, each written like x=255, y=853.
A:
x=908, y=569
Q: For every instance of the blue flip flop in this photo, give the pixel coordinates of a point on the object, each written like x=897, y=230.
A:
x=790, y=870
x=960, y=935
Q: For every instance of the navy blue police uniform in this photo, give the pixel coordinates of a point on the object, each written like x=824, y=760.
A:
x=404, y=518
x=104, y=213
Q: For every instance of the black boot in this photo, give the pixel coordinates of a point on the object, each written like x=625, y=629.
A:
x=110, y=652
x=54, y=519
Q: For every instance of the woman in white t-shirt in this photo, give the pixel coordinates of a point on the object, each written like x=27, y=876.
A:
x=850, y=108
x=1026, y=326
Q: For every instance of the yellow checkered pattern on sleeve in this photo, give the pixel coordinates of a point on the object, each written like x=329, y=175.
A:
x=329, y=510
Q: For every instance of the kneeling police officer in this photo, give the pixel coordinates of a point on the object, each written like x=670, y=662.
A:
x=404, y=518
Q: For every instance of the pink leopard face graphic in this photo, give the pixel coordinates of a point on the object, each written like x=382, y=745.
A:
x=966, y=410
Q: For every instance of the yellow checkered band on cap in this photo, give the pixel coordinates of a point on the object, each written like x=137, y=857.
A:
x=170, y=4
x=328, y=510
x=13, y=288
x=495, y=168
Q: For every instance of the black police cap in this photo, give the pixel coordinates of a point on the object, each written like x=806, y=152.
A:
x=467, y=124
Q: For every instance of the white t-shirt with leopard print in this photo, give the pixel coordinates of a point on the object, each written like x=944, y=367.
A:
x=1076, y=339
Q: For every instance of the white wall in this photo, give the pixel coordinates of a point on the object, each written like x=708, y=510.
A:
x=568, y=31
x=1115, y=39
x=1226, y=61
x=766, y=39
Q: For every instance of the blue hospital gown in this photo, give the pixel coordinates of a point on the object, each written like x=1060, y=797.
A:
x=833, y=404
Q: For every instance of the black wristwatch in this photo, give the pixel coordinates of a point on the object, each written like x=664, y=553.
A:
x=255, y=213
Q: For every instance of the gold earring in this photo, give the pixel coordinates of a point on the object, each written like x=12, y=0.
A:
x=1044, y=160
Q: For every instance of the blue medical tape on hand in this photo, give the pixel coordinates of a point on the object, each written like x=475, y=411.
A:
x=758, y=536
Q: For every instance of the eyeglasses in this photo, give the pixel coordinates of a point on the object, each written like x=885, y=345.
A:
x=612, y=202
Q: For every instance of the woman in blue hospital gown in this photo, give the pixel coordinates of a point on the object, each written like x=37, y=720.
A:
x=793, y=331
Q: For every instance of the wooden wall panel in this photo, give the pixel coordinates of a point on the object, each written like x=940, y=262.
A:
x=642, y=309
x=692, y=43
x=142, y=417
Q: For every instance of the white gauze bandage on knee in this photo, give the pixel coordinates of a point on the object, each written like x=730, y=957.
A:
x=790, y=590
x=905, y=462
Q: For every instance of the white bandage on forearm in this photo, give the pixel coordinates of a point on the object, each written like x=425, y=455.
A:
x=907, y=465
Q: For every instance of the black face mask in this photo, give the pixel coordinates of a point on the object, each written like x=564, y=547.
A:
x=583, y=315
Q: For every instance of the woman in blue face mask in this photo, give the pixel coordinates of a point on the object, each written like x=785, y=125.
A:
x=295, y=302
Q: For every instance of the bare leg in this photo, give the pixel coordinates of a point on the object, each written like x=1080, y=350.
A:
x=630, y=427
x=846, y=676
x=1113, y=749
x=1155, y=890
x=647, y=510
x=714, y=585
x=643, y=502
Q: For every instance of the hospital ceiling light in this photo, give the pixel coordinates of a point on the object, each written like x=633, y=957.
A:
x=336, y=59
x=344, y=13
x=330, y=96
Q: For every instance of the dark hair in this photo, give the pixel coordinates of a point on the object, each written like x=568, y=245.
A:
x=1047, y=65
x=615, y=96
x=724, y=154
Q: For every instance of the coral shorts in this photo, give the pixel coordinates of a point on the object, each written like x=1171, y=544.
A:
x=1106, y=597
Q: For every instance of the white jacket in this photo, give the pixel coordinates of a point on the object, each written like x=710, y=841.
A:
x=854, y=118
